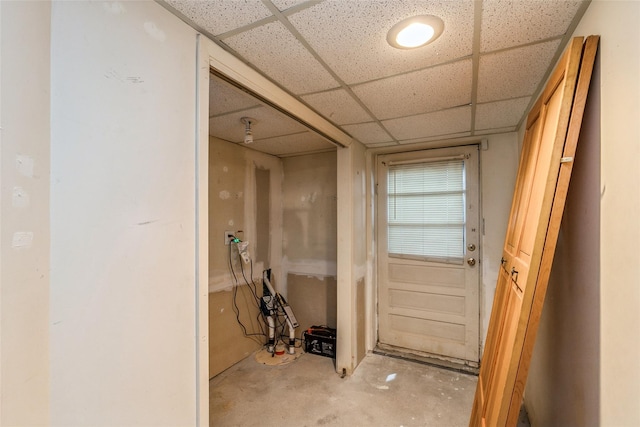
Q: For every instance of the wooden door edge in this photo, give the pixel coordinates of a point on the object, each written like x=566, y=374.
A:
x=577, y=112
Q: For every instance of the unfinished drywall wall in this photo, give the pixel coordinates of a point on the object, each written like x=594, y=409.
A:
x=124, y=327
x=245, y=198
x=313, y=299
x=24, y=212
x=241, y=202
x=309, y=213
x=309, y=237
x=263, y=215
x=227, y=171
x=361, y=324
x=227, y=343
x=586, y=357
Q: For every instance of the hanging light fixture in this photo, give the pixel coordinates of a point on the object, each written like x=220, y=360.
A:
x=248, y=134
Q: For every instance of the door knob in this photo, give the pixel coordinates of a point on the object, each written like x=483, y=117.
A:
x=471, y=261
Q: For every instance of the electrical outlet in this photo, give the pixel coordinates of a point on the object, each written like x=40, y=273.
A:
x=228, y=235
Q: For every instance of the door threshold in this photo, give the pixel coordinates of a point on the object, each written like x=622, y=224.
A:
x=451, y=364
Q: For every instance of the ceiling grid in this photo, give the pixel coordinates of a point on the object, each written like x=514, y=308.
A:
x=477, y=78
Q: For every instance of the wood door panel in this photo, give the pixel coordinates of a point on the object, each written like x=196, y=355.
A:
x=551, y=238
x=552, y=131
x=425, y=274
x=497, y=380
x=546, y=152
x=523, y=183
x=493, y=335
x=428, y=327
x=427, y=301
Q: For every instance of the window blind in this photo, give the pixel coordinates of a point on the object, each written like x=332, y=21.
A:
x=426, y=215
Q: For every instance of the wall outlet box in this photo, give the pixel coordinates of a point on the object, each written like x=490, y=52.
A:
x=228, y=235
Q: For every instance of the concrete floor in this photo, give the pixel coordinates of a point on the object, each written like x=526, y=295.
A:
x=383, y=391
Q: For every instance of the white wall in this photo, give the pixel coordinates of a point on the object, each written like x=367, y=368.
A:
x=123, y=307
x=498, y=169
x=24, y=213
x=617, y=23
x=617, y=346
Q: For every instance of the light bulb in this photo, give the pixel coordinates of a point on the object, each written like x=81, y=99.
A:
x=248, y=134
x=415, y=35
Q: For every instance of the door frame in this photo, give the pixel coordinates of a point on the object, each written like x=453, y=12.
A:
x=372, y=320
x=211, y=56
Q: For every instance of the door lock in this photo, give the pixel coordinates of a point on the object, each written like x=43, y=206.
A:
x=471, y=247
x=471, y=261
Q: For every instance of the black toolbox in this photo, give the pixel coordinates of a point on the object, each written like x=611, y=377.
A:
x=320, y=340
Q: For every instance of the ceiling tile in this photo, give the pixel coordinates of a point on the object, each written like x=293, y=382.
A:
x=295, y=68
x=223, y=98
x=437, y=139
x=351, y=36
x=338, y=106
x=495, y=131
x=267, y=123
x=455, y=120
x=286, y=4
x=382, y=144
x=418, y=92
x=514, y=73
x=501, y=114
x=368, y=133
x=292, y=144
x=217, y=17
x=508, y=23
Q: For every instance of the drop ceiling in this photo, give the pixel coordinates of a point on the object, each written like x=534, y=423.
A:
x=479, y=77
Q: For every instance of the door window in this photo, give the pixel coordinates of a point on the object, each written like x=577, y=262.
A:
x=425, y=210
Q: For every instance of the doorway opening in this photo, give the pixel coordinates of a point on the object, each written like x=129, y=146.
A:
x=276, y=193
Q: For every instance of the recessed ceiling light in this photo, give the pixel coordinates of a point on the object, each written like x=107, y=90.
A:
x=415, y=31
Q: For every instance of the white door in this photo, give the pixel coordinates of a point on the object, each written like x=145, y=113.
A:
x=428, y=251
